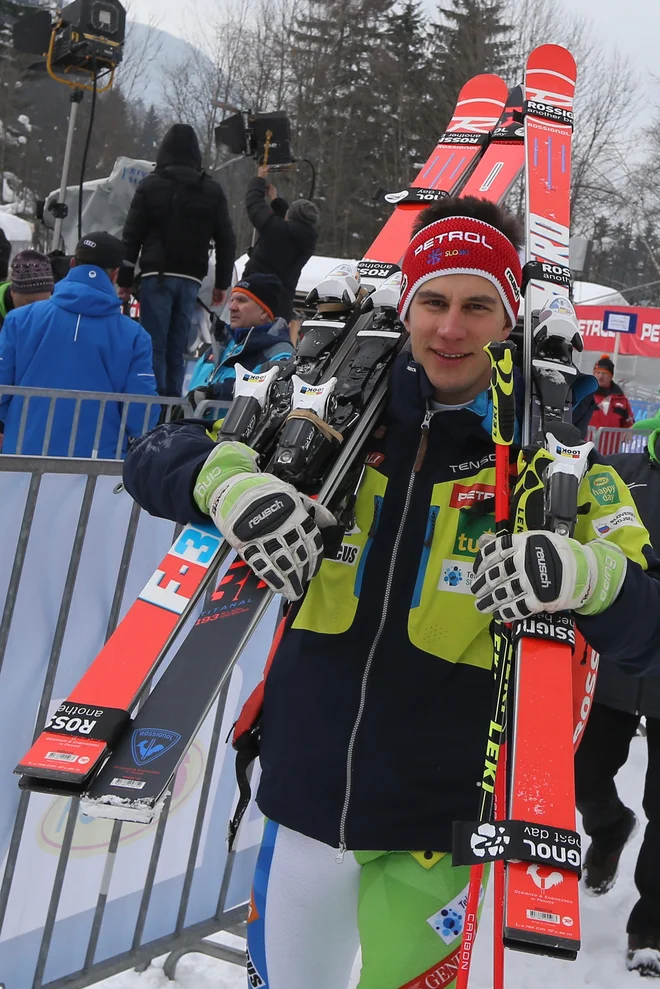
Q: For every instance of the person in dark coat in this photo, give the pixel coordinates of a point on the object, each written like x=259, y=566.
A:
x=176, y=212
x=620, y=702
x=287, y=237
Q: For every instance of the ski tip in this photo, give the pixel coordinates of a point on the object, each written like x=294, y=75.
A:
x=552, y=58
x=484, y=87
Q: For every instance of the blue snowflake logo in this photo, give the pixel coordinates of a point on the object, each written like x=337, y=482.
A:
x=435, y=257
x=453, y=576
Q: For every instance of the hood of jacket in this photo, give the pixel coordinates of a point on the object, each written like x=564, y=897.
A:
x=87, y=290
x=179, y=147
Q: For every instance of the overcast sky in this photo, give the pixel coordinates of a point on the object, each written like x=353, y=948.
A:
x=633, y=25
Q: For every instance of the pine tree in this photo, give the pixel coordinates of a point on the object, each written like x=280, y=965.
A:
x=472, y=37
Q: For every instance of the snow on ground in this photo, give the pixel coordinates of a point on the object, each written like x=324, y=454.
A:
x=601, y=963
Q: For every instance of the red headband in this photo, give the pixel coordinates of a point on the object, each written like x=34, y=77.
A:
x=460, y=245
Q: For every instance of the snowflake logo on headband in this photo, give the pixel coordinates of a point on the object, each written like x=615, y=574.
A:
x=435, y=257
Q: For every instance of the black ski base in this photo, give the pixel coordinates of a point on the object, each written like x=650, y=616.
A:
x=541, y=944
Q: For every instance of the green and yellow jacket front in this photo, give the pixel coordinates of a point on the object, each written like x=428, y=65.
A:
x=377, y=704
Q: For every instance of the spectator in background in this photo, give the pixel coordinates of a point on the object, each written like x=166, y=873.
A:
x=614, y=409
x=287, y=237
x=77, y=340
x=257, y=337
x=620, y=702
x=30, y=280
x=176, y=212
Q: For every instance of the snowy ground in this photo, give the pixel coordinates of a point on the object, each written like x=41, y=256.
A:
x=600, y=964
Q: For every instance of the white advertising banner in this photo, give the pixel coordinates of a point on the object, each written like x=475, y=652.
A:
x=90, y=871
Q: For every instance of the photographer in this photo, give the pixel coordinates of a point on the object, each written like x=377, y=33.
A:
x=176, y=212
x=287, y=237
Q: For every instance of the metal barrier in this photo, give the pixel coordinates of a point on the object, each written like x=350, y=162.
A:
x=64, y=423
x=609, y=440
x=84, y=916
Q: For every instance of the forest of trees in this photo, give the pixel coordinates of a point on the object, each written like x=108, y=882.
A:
x=368, y=86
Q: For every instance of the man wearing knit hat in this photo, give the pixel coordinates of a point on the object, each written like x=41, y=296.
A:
x=30, y=280
x=376, y=706
x=256, y=337
x=614, y=409
x=287, y=237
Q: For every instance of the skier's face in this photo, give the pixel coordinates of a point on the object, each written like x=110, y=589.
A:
x=450, y=320
x=244, y=312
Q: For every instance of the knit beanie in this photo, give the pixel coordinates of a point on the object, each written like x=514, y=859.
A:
x=605, y=363
x=264, y=289
x=31, y=273
x=303, y=211
x=461, y=245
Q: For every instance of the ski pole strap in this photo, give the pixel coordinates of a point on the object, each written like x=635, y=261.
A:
x=516, y=841
x=247, y=750
x=105, y=724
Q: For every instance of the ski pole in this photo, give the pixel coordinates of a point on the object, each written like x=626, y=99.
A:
x=493, y=784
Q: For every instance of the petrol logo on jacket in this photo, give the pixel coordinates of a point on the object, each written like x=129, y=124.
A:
x=465, y=495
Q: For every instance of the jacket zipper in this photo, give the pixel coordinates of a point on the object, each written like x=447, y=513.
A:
x=419, y=459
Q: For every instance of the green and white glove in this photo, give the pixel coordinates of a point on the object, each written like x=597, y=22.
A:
x=273, y=527
x=535, y=571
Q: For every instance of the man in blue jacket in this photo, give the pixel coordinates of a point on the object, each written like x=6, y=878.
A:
x=256, y=338
x=78, y=340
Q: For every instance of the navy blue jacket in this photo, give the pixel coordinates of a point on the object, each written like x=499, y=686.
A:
x=636, y=695
x=419, y=752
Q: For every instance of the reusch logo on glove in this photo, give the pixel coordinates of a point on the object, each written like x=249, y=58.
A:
x=265, y=513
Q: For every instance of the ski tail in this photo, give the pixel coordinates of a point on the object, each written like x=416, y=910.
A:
x=478, y=110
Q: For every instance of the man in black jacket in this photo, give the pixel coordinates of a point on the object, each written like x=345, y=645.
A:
x=176, y=212
x=620, y=702
x=287, y=237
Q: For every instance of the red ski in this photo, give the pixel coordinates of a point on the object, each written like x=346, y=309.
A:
x=541, y=900
x=77, y=738
x=480, y=103
x=504, y=158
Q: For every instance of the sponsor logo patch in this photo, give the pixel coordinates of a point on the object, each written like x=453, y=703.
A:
x=468, y=532
x=347, y=554
x=374, y=459
x=625, y=516
x=448, y=922
x=604, y=489
x=456, y=575
x=464, y=495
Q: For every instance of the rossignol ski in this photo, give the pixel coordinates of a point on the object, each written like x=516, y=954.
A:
x=504, y=158
x=537, y=841
x=480, y=103
x=541, y=904
x=76, y=740
x=336, y=415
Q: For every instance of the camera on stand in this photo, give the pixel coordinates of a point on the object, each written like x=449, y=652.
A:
x=85, y=38
x=266, y=137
